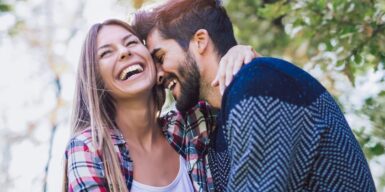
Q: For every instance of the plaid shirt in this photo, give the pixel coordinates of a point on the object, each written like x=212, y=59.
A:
x=187, y=134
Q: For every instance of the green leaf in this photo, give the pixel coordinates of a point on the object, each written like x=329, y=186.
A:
x=357, y=59
x=321, y=4
x=377, y=149
x=382, y=57
x=275, y=10
x=5, y=7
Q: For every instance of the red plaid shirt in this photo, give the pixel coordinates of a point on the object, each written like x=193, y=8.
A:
x=187, y=134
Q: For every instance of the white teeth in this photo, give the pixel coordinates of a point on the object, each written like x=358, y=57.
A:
x=129, y=69
x=171, y=84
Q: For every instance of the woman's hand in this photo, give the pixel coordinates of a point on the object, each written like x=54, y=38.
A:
x=231, y=63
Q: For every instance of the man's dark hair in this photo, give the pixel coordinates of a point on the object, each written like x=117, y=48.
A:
x=180, y=19
x=143, y=22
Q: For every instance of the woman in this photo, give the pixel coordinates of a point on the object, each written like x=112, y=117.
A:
x=116, y=128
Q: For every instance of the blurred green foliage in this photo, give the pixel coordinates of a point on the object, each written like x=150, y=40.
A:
x=302, y=30
x=305, y=31
x=352, y=28
x=4, y=7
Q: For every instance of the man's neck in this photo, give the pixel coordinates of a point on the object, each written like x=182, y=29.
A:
x=209, y=93
x=213, y=96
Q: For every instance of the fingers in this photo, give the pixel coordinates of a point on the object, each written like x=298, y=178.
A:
x=237, y=67
x=250, y=56
x=235, y=64
x=256, y=53
x=248, y=59
x=231, y=63
x=221, y=75
x=229, y=75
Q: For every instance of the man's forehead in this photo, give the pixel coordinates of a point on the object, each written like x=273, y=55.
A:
x=154, y=40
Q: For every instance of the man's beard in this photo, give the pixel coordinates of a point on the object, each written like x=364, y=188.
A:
x=189, y=85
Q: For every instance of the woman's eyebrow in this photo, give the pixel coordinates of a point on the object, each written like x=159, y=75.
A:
x=127, y=37
x=123, y=40
x=104, y=46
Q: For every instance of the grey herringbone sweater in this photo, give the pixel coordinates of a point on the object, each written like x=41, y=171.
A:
x=280, y=130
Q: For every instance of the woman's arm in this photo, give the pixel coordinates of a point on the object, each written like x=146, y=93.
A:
x=231, y=63
x=84, y=167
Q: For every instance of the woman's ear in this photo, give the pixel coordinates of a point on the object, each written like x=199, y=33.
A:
x=201, y=40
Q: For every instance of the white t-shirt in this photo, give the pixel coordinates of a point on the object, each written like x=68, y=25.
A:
x=182, y=182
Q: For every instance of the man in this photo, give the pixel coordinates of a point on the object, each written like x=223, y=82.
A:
x=277, y=129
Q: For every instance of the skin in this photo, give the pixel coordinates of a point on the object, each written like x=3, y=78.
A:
x=202, y=50
x=182, y=71
x=155, y=162
x=230, y=64
x=170, y=56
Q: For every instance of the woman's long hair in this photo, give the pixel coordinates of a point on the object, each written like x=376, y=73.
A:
x=94, y=107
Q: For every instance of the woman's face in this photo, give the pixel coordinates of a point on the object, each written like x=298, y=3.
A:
x=125, y=64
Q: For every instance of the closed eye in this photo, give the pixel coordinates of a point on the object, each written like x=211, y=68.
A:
x=159, y=59
x=105, y=53
x=129, y=43
x=158, y=56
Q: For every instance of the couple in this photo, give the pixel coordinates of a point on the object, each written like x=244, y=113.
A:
x=276, y=128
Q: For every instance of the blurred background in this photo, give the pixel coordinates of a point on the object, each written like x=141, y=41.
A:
x=340, y=42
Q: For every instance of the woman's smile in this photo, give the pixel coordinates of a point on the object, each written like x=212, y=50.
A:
x=126, y=66
x=130, y=71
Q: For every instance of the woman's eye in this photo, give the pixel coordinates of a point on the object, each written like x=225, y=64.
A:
x=131, y=43
x=104, y=53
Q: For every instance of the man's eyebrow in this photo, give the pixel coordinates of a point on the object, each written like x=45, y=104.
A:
x=154, y=52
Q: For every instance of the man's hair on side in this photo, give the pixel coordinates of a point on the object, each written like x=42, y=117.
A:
x=181, y=19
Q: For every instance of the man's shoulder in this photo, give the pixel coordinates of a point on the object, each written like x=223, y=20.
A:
x=277, y=78
x=275, y=70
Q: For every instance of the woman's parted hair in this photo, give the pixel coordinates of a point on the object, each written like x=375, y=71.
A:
x=94, y=107
x=90, y=93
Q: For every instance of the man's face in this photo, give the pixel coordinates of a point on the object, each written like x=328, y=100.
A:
x=177, y=70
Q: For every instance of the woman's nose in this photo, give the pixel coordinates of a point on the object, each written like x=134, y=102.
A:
x=124, y=53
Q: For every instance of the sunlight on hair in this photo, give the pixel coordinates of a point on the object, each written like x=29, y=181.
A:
x=34, y=106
